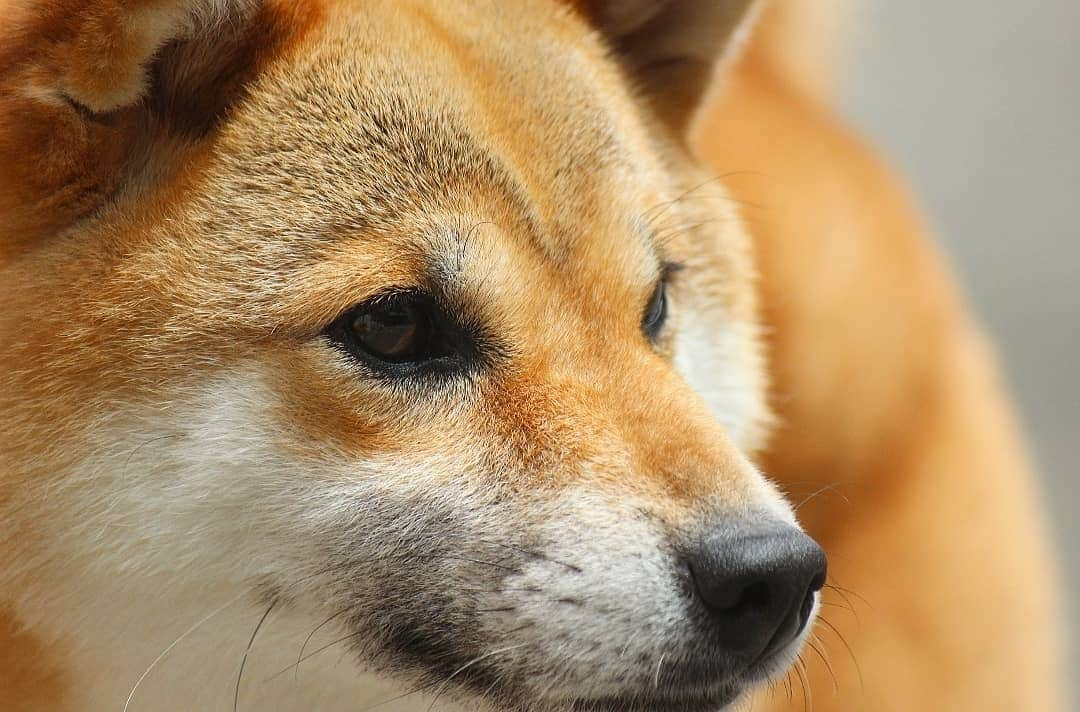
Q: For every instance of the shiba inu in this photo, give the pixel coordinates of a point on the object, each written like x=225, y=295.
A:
x=407, y=354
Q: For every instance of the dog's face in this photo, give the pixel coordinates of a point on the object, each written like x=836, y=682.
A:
x=434, y=333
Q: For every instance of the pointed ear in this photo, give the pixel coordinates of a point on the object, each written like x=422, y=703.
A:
x=671, y=48
x=75, y=77
x=91, y=88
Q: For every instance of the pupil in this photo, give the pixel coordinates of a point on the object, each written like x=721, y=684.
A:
x=388, y=332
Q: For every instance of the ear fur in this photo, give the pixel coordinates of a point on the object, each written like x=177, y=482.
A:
x=671, y=47
x=82, y=87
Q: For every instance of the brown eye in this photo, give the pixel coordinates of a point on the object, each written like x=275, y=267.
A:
x=404, y=332
x=395, y=329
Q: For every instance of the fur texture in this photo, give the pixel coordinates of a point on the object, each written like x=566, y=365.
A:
x=205, y=502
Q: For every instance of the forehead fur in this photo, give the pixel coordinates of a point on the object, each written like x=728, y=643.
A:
x=353, y=164
x=446, y=119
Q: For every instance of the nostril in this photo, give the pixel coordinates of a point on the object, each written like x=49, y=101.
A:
x=730, y=597
x=758, y=584
x=754, y=599
x=756, y=596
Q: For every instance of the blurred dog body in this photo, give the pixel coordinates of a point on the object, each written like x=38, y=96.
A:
x=893, y=428
x=212, y=490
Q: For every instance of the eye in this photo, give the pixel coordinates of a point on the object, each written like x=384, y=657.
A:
x=397, y=329
x=656, y=311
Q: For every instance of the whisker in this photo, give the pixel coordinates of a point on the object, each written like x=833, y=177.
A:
x=732, y=199
x=834, y=604
x=247, y=650
x=310, y=655
x=167, y=650
x=402, y=696
x=837, y=587
x=655, y=212
x=468, y=665
x=468, y=236
x=300, y=656
x=844, y=596
x=648, y=215
x=804, y=682
x=140, y=446
x=629, y=641
x=666, y=235
x=656, y=677
x=831, y=488
x=847, y=646
x=828, y=665
x=344, y=638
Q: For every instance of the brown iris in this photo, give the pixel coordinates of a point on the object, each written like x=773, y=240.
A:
x=397, y=328
x=409, y=332
x=391, y=330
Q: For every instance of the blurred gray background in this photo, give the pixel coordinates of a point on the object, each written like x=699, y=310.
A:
x=978, y=104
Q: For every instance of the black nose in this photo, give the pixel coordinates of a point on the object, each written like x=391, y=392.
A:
x=758, y=584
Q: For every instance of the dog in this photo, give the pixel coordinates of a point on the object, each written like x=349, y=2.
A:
x=409, y=354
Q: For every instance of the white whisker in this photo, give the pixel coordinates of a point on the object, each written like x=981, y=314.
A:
x=176, y=642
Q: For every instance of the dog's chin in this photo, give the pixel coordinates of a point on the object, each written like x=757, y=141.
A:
x=650, y=701
x=716, y=702
x=692, y=693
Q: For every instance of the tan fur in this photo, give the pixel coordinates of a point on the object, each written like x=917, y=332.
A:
x=190, y=191
x=805, y=42
x=888, y=398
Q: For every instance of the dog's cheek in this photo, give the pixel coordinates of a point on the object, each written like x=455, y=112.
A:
x=240, y=492
x=720, y=357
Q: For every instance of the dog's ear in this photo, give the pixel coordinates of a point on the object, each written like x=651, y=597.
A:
x=671, y=48
x=94, y=91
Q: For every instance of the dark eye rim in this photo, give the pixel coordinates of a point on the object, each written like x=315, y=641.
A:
x=658, y=308
x=451, y=348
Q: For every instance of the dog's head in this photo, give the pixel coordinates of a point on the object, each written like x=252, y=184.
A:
x=415, y=316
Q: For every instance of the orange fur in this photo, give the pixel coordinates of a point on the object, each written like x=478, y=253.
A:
x=30, y=678
x=892, y=424
x=157, y=172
